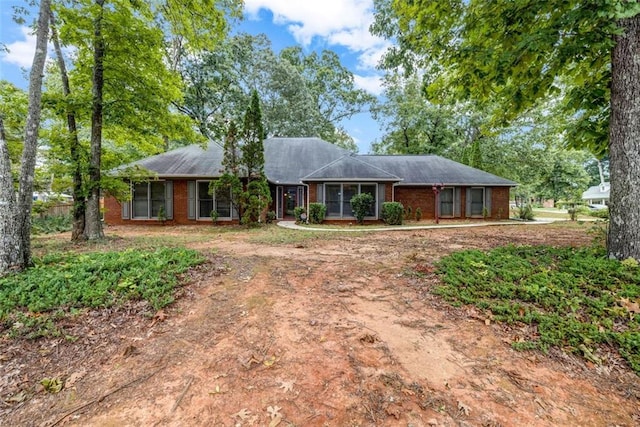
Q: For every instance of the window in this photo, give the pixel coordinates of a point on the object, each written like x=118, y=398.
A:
x=337, y=198
x=206, y=202
x=477, y=201
x=446, y=202
x=148, y=199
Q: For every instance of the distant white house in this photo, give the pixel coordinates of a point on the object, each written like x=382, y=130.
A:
x=597, y=195
x=47, y=196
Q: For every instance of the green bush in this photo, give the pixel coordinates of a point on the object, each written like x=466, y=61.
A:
x=392, y=213
x=525, y=212
x=271, y=216
x=407, y=213
x=297, y=213
x=317, y=213
x=599, y=213
x=254, y=202
x=361, y=205
x=418, y=214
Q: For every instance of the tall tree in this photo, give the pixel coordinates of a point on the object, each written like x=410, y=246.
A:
x=517, y=53
x=15, y=215
x=79, y=198
x=252, y=139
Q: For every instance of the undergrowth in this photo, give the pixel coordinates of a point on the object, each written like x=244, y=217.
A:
x=61, y=284
x=573, y=298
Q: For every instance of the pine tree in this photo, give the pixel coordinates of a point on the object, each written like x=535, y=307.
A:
x=253, y=136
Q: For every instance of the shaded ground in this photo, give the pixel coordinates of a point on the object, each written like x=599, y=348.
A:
x=324, y=331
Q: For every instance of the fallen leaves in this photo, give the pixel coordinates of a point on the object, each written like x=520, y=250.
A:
x=286, y=386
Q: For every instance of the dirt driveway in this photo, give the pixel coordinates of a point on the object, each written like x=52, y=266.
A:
x=329, y=330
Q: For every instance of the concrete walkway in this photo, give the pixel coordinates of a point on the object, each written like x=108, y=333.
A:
x=293, y=226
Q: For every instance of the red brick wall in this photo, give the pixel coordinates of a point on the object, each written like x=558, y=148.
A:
x=500, y=203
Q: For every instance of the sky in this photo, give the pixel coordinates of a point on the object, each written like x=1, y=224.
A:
x=338, y=25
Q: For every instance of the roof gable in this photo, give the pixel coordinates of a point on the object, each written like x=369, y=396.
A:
x=350, y=168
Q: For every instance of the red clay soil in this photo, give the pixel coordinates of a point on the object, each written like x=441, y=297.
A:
x=335, y=331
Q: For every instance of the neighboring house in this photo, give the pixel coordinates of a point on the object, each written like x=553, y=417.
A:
x=597, y=195
x=307, y=170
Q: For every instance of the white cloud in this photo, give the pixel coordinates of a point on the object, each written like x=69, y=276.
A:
x=21, y=51
x=372, y=84
x=339, y=22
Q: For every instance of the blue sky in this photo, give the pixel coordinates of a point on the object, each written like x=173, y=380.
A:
x=339, y=25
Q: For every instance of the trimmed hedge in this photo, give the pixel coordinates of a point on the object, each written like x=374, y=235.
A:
x=392, y=213
x=317, y=213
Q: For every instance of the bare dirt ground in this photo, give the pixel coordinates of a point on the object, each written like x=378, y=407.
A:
x=329, y=332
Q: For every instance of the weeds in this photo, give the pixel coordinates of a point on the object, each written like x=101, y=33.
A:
x=576, y=299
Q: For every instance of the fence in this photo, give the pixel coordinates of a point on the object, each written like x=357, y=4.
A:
x=60, y=209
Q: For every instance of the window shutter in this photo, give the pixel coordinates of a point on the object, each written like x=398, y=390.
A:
x=191, y=199
x=125, y=209
x=456, y=202
x=320, y=193
x=381, y=200
x=487, y=200
x=168, y=199
x=467, y=211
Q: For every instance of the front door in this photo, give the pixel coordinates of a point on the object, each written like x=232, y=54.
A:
x=290, y=200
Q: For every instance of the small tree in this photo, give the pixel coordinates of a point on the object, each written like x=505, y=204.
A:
x=255, y=201
x=361, y=205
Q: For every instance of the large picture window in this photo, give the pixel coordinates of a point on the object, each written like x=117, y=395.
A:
x=148, y=200
x=219, y=201
x=337, y=198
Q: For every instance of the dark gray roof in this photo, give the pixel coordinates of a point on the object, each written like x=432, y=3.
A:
x=350, y=168
x=292, y=160
x=287, y=160
x=418, y=170
x=185, y=162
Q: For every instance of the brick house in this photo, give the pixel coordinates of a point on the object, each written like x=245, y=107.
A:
x=307, y=170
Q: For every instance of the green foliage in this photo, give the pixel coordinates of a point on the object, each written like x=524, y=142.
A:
x=392, y=213
x=525, y=212
x=361, y=206
x=576, y=299
x=61, y=283
x=599, y=213
x=317, y=213
x=407, y=213
x=214, y=216
x=418, y=214
x=253, y=136
x=229, y=183
x=271, y=217
x=297, y=213
x=50, y=224
x=254, y=202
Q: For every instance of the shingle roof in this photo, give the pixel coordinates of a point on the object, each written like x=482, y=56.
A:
x=350, y=168
x=292, y=160
x=421, y=170
x=597, y=192
x=185, y=162
x=287, y=160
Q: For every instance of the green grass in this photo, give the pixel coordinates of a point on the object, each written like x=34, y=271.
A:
x=61, y=284
x=575, y=299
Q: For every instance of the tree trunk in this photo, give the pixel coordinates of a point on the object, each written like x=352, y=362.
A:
x=8, y=237
x=93, y=229
x=79, y=199
x=624, y=143
x=15, y=228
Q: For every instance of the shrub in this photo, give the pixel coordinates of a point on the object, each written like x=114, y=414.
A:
x=271, y=216
x=418, y=214
x=392, y=213
x=317, y=213
x=297, y=213
x=214, y=216
x=525, y=212
x=361, y=205
x=254, y=201
x=407, y=213
x=600, y=213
